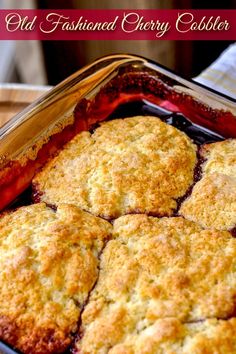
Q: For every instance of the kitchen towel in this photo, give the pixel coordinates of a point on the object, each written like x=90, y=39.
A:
x=221, y=74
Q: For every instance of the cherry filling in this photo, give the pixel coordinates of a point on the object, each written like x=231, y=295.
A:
x=129, y=94
x=15, y=178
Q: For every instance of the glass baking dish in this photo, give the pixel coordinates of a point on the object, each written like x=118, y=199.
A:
x=112, y=87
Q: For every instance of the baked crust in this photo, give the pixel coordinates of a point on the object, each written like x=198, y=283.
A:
x=220, y=157
x=170, y=336
x=156, y=269
x=212, y=203
x=132, y=165
x=48, y=265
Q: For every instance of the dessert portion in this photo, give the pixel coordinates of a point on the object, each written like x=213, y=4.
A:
x=153, y=270
x=170, y=336
x=160, y=284
x=132, y=165
x=212, y=203
x=48, y=265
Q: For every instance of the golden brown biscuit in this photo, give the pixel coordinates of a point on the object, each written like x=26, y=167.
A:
x=132, y=165
x=220, y=158
x=48, y=265
x=170, y=336
x=154, y=269
x=212, y=203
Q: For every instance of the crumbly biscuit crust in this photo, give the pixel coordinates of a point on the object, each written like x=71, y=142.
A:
x=48, y=265
x=132, y=165
x=170, y=336
x=156, y=269
x=212, y=203
x=220, y=157
x=164, y=285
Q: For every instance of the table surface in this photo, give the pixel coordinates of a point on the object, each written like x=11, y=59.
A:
x=15, y=97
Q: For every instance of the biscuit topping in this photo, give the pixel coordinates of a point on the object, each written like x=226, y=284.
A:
x=132, y=165
x=212, y=203
x=154, y=270
x=48, y=265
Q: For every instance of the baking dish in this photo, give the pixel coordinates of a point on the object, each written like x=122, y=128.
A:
x=114, y=86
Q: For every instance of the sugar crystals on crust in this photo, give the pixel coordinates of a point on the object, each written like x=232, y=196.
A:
x=155, y=269
x=132, y=165
x=48, y=265
x=212, y=203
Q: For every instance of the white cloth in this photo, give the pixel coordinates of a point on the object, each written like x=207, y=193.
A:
x=221, y=74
